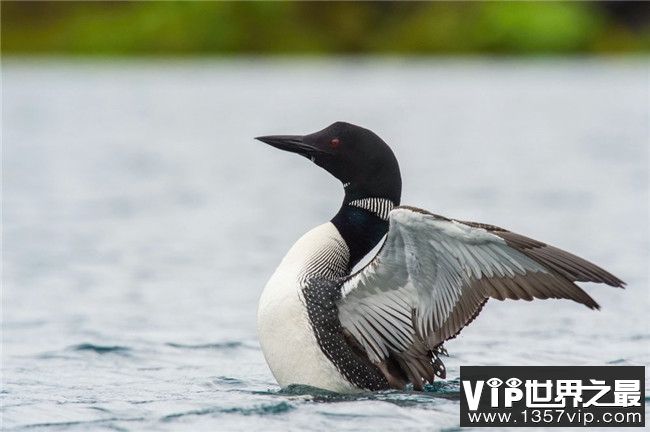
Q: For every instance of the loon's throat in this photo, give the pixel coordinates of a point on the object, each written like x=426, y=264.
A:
x=362, y=222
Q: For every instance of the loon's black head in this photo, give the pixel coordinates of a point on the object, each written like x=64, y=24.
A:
x=361, y=160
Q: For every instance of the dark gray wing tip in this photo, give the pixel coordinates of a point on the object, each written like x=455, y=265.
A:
x=570, y=266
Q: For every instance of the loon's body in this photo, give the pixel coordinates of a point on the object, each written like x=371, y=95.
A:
x=384, y=326
x=285, y=330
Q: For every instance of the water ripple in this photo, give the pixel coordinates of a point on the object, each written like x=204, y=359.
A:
x=449, y=390
x=216, y=346
x=99, y=349
x=265, y=409
x=256, y=410
x=104, y=422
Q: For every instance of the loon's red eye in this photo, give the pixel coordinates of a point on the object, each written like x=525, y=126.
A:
x=335, y=143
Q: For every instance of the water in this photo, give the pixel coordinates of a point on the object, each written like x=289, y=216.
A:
x=141, y=222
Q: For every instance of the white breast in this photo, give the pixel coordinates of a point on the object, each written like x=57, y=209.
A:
x=286, y=336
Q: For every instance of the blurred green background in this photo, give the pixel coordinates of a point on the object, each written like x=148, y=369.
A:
x=224, y=28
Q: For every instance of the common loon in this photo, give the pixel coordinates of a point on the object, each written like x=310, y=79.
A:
x=384, y=326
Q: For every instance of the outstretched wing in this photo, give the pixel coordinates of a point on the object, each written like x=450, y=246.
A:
x=433, y=275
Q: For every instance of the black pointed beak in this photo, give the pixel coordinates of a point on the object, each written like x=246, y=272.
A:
x=290, y=143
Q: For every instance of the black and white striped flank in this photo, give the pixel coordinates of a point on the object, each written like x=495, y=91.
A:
x=330, y=262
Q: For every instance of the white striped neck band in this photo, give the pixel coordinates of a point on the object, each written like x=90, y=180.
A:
x=378, y=206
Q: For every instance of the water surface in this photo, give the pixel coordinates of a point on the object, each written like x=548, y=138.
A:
x=141, y=222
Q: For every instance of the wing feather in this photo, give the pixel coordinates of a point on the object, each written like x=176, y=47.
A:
x=432, y=277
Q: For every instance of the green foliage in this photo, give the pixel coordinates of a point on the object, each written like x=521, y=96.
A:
x=190, y=28
x=547, y=26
